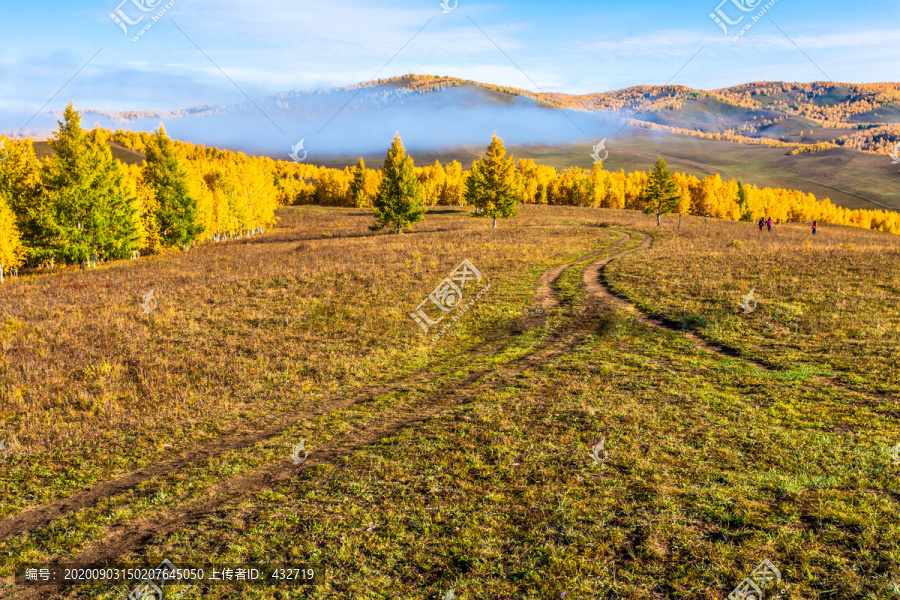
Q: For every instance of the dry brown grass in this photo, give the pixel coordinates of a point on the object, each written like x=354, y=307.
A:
x=93, y=386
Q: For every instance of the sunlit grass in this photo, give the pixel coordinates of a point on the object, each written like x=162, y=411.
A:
x=714, y=463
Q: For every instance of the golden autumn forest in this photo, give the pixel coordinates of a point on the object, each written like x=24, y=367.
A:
x=80, y=205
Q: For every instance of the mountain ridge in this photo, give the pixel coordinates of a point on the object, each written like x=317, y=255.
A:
x=813, y=116
x=611, y=99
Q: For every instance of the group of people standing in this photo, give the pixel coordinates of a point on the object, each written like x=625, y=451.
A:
x=768, y=223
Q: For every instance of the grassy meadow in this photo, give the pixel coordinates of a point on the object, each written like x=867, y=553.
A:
x=465, y=464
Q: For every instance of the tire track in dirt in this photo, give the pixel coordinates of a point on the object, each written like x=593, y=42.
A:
x=233, y=439
x=598, y=284
x=143, y=531
x=36, y=516
x=545, y=298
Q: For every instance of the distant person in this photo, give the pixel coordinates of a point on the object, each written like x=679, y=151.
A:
x=761, y=224
x=769, y=224
x=815, y=227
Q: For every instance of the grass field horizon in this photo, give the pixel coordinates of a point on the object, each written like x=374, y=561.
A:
x=466, y=463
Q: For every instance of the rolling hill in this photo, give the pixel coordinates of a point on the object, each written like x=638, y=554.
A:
x=439, y=112
x=446, y=118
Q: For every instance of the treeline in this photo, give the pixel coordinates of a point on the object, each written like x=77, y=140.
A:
x=877, y=140
x=729, y=135
x=574, y=186
x=235, y=195
x=801, y=98
x=81, y=206
x=301, y=184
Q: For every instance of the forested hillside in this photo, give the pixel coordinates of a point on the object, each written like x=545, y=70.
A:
x=862, y=116
x=81, y=206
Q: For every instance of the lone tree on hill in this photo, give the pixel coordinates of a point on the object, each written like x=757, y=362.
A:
x=358, y=184
x=661, y=194
x=746, y=213
x=493, y=186
x=176, y=210
x=399, y=199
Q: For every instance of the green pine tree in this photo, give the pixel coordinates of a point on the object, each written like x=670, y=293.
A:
x=746, y=214
x=492, y=186
x=358, y=184
x=88, y=212
x=399, y=200
x=176, y=210
x=661, y=194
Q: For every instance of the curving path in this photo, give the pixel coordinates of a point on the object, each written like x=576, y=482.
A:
x=140, y=533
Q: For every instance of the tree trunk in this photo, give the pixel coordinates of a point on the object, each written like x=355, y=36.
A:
x=495, y=222
x=657, y=219
x=399, y=229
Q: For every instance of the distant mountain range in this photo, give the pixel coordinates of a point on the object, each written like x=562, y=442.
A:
x=434, y=113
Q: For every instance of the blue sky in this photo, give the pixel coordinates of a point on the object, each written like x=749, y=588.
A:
x=269, y=46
